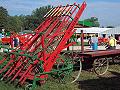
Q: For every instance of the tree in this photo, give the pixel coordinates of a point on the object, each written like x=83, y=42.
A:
x=3, y=17
x=110, y=26
x=94, y=20
x=40, y=12
x=14, y=23
x=33, y=21
x=10, y=23
x=30, y=22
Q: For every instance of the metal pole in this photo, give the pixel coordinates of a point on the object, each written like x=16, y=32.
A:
x=82, y=41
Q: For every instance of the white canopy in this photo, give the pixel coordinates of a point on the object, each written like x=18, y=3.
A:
x=112, y=31
x=92, y=30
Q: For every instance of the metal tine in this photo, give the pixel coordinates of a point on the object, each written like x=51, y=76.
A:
x=48, y=19
x=6, y=66
x=70, y=16
x=64, y=20
x=72, y=11
x=37, y=29
x=62, y=10
x=81, y=9
x=28, y=45
x=59, y=12
x=54, y=11
x=13, y=68
x=51, y=28
x=2, y=61
x=48, y=23
x=48, y=14
x=69, y=12
x=38, y=43
x=21, y=68
x=26, y=71
x=61, y=25
x=68, y=9
x=65, y=8
x=52, y=14
x=9, y=70
x=51, y=10
x=24, y=76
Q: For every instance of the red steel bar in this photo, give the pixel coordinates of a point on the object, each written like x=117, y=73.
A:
x=82, y=41
x=57, y=26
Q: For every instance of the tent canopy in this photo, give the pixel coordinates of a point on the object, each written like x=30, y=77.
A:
x=92, y=30
x=112, y=31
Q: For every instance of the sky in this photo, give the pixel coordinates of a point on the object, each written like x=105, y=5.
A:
x=107, y=11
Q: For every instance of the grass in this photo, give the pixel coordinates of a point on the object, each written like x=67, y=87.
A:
x=87, y=81
x=79, y=44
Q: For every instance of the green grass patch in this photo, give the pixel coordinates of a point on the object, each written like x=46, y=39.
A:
x=79, y=44
x=87, y=81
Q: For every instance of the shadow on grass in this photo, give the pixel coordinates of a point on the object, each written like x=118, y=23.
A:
x=103, y=83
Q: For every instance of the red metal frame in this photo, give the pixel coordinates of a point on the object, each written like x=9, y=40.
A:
x=54, y=32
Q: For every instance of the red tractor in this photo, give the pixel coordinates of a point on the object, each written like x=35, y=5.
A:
x=21, y=39
x=102, y=41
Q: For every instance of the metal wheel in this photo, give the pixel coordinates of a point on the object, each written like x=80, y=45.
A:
x=116, y=59
x=100, y=66
x=70, y=67
x=28, y=87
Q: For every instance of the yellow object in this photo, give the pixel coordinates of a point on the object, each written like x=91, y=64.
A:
x=112, y=42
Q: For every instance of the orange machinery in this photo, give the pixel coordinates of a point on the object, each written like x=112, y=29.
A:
x=22, y=38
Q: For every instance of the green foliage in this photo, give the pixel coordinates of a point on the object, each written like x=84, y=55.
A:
x=86, y=23
x=10, y=23
x=37, y=17
x=14, y=23
x=3, y=17
x=94, y=20
x=30, y=22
